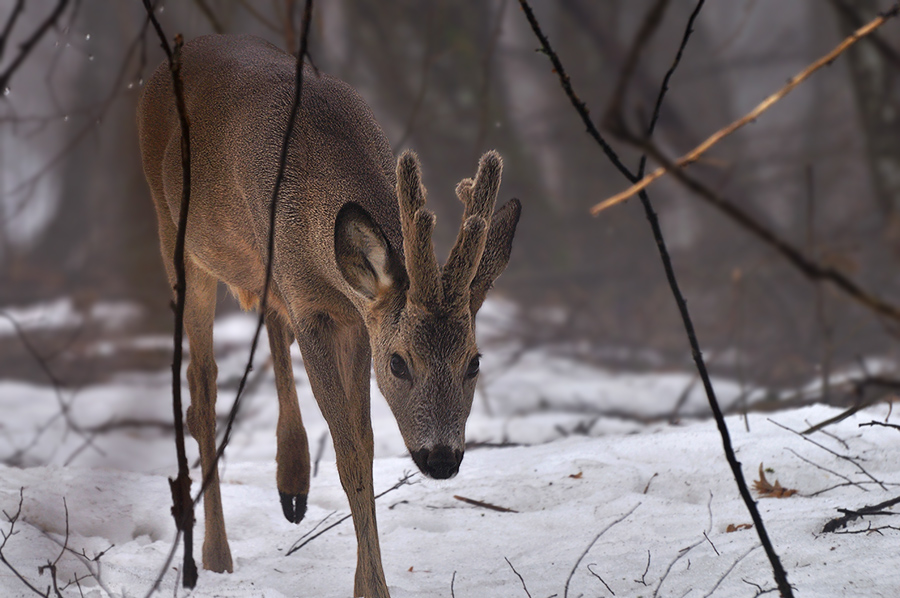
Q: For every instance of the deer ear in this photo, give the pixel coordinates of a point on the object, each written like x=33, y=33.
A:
x=496, y=252
x=363, y=254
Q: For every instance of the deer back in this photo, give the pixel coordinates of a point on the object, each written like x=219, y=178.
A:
x=238, y=95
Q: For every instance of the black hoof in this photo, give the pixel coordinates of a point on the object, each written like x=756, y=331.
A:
x=293, y=506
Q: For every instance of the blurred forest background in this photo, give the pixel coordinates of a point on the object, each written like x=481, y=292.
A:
x=451, y=79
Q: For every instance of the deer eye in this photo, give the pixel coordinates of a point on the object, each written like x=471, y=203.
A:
x=474, y=365
x=399, y=368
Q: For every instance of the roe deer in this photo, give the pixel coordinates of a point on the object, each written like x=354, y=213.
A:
x=355, y=279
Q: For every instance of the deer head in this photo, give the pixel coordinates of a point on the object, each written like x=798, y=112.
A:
x=420, y=316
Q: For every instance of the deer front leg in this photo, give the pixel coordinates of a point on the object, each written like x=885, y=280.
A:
x=337, y=359
x=293, y=448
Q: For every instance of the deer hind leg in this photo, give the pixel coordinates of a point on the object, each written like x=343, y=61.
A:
x=338, y=360
x=200, y=308
x=293, y=448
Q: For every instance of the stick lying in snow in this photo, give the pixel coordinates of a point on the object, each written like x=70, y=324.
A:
x=483, y=504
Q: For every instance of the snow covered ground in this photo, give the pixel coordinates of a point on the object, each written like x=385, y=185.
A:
x=659, y=496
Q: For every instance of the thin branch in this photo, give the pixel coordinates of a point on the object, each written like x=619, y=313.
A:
x=851, y=515
x=855, y=20
x=825, y=469
x=648, y=28
x=28, y=45
x=270, y=252
x=730, y=569
x=835, y=453
x=778, y=570
x=401, y=482
x=794, y=256
x=591, y=545
x=486, y=71
x=214, y=21
x=794, y=81
x=427, y=60
x=524, y=587
x=65, y=408
x=882, y=424
x=597, y=575
x=10, y=23
x=268, y=23
x=681, y=554
x=483, y=505
x=12, y=519
x=182, y=506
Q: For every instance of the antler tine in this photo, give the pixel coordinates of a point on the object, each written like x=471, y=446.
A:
x=417, y=225
x=478, y=196
x=463, y=261
x=486, y=186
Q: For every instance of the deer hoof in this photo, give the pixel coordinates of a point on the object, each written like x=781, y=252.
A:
x=293, y=506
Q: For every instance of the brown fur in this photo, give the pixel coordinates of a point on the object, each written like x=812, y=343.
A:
x=355, y=279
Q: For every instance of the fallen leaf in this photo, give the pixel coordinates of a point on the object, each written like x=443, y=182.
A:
x=736, y=528
x=576, y=476
x=767, y=490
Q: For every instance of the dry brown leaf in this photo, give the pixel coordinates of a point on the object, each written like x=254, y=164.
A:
x=576, y=476
x=767, y=490
x=736, y=528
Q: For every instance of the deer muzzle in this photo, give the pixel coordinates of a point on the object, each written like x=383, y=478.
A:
x=440, y=462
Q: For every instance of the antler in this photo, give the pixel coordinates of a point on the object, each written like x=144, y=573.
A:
x=427, y=286
x=417, y=224
x=478, y=197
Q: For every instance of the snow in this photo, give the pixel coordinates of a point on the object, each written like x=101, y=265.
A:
x=656, y=491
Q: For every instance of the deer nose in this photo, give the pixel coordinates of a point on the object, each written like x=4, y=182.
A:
x=440, y=463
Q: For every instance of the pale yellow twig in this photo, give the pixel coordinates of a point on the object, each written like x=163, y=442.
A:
x=794, y=81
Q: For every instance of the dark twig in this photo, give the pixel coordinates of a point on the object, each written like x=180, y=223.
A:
x=270, y=252
x=848, y=13
x=28, y=45
x=524, y=587
x=268, y=23
x=10, y=23
x=591, y=545
x=730, y=569
x=882, y=424
x=648, y=27
x=681, y=554
x=794, y=256
x=182, y=505
x=210, y=15
x=859, y=388
x=486, y=70
x=851, y=515
x=401, y=482
x=12, y=520
x=835, y=453
x=751, y=116
x=597, y=575
x=452, y=583
x=778, y=570
x=427, y=59
x=65, y=408
x=643, y=579
x=825, y=469
x=483, y=505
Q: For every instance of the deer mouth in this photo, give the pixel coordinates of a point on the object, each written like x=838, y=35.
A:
x=440, y=463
